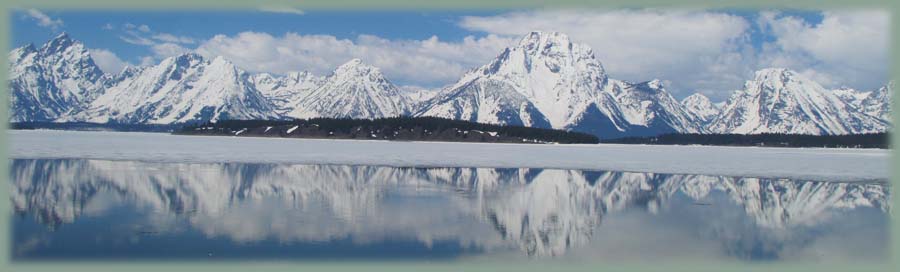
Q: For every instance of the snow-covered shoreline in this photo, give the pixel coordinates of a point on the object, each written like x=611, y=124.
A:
x=800, y=163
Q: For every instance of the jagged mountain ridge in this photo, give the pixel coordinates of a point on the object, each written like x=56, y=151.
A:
x=779, y=100
x=875, y=103
x=545, y=80
x=353, y=90
x=51, y=81
x=181, y=89
x=286, y=92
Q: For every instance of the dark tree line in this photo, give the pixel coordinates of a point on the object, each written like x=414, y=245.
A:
x=442, y=126
x=95, y=126
x=433, y=124
x=872, y=140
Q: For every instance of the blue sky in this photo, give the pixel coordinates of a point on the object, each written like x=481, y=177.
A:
x=88, y=26
x=712, y=51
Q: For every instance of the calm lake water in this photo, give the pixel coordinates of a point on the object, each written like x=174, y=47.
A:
x=98, y=210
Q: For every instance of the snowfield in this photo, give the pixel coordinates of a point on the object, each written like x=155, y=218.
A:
x=800, y=163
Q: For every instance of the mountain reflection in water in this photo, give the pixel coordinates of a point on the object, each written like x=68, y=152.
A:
x=128, y=209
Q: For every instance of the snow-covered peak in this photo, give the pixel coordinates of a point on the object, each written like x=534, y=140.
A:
x=220, y=62
x=781, y=80
x=655, y=84
x=19, y=53
x=63, y=50
x=184, y=60
x=552, y=44
x=52, y=80
x=356, y=68
x=697, y=99
x=354, y=90
x=541, y=39
x=62, y=36
x=700, y=105
x=537, y=51
x=360, y=73
x=779, y=100
x=778, y=78
x=545, y=78
x=26, y=49
x=876, y=103
x=772, y=71
x=652, y=86
x=182, y=88
x=59, y=44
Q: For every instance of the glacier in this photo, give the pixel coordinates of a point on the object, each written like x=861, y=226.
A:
x=803, y=163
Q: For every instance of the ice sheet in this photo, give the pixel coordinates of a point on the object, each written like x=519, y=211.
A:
x=800, y=163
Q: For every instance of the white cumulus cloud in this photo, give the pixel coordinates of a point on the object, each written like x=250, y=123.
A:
x=107, y=60
x=695, y=50
x=282, y=9
x=429, y=62
x=165, y=50
x=847, y=48
x=43, y=19
x=166, y=37
x=712, y=52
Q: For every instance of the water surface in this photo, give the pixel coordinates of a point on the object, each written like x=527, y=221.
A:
x=76, y=209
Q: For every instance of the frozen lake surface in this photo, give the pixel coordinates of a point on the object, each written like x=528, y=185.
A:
x=805, y=163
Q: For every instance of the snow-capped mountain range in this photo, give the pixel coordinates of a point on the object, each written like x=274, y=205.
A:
x=781, y=101
x=180, y=89
x=550, y=82
x=545, y=80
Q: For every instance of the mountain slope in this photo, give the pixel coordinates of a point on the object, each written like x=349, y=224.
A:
x=486, y=101
x=51, y=81
x=875, y=103
x=286, y=92
x=546, y=80
x=778, y=100
x=648, y=106
x=700, y=106
x=184, y=88
x=354, y=90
